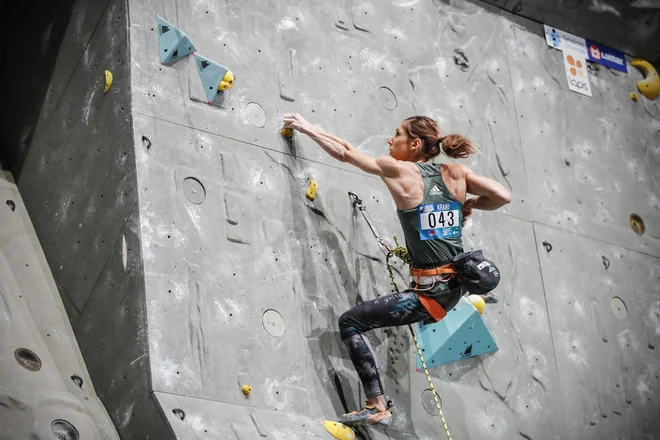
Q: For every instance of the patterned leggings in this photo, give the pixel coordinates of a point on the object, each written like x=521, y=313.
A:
x=387, y=311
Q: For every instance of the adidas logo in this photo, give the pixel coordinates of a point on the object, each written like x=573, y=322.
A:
x=435, y=191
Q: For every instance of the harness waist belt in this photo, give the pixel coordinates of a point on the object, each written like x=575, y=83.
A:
x=447, y=269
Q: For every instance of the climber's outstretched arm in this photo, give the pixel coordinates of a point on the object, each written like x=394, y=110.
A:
x=342, y=150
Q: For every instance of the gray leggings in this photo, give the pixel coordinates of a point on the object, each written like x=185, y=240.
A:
x=387, y=311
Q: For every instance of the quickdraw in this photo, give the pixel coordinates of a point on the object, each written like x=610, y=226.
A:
x=401, y=253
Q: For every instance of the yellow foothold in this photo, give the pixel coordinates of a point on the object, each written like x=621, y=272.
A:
x=287, y=133
x=478, y=302
x=247, y=389
x=634, y=96
x=339, y=431
x=108, y=81
x=227, y=81
x=650, y=85
x=311, y=191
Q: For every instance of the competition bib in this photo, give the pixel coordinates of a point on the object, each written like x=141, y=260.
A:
x=439, y=220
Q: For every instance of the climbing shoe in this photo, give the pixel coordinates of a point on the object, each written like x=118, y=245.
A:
x=490, y=298
x=368, y=415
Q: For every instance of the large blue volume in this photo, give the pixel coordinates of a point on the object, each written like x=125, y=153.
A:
x=173, y=44
x=461, y=334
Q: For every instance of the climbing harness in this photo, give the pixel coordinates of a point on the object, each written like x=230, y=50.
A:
x=402, y=253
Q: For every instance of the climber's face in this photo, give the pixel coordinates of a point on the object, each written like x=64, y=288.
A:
x=403, y=146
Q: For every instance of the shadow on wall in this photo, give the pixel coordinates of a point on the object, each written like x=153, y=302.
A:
x=32, y=36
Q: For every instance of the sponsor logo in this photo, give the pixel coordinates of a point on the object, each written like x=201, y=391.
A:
x=606, y=56
x=576, y=73
x=483, y=264
x=435, y=191
x=577, y=69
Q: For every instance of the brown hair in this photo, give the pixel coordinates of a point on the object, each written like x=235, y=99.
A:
x=427, y=130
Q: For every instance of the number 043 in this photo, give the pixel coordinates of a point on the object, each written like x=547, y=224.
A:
x=442, y=219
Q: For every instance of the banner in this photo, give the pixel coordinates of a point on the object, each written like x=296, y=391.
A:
x=606, y=56
x=575, y=65
x=563, y=40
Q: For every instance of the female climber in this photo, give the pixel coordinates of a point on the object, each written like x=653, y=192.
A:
x=432, y=206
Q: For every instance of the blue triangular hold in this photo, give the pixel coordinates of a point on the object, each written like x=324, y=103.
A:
x=461, y=334
x=215, y=77
x=173, y=44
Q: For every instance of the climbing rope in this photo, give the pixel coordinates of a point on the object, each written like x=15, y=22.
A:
x=401, y=253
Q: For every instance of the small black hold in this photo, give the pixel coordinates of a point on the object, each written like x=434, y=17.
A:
x=651, y=346
x=179, y=413
x=568, y=164
x=461, y=60
x=606, y=262
x=146, y=141
x=11, y=205
x=77, y=380
x=547, y=246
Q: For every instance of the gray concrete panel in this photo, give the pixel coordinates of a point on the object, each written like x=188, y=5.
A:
x=82, y=26
x=606, y=349
x=314, y=260
x=589, y=160
x=37, y=387
x=78, y=180
x=113, y=338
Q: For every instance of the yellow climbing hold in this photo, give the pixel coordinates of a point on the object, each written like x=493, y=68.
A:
x=108, y=81
x=227, y=81
x=650, y=85
x=478, y=302
x=339, y=431
x=287, y=133
x=247, y=389
x=311, y=191
x=634, y=96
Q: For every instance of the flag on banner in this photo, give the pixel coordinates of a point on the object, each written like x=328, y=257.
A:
x=608, y=57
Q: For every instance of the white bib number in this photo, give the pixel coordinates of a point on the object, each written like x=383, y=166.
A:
x=439, y=220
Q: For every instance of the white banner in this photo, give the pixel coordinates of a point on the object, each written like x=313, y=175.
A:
x=575, y=65
x=563, y=40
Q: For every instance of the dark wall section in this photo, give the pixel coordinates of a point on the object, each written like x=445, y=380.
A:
x=78, y=180
x=631, y=27
x=112, y=334
x=32, y=35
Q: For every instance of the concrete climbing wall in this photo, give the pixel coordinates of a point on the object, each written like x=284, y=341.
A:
x=45, y=389
x=245, y=278
x=79, y=185
x=214, y=270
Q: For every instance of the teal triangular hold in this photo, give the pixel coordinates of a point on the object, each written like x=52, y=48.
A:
x=460, y=335
x=173, y=44
x=211, y=74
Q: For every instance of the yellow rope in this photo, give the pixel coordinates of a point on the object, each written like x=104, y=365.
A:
x=402, y=253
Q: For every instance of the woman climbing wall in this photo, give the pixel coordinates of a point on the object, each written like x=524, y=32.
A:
x=432, y=206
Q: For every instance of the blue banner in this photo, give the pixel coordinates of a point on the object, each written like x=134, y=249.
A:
x=606, y=56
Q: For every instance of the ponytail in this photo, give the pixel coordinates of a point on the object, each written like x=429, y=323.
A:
x=457, y=146
x=426, y=129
